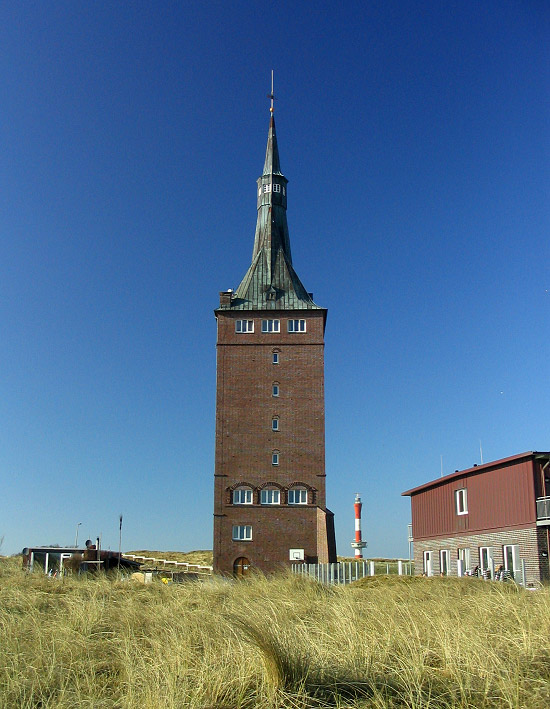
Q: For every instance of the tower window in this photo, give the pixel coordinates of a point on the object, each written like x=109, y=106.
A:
x=267, y=188
x=275, y=357
x=242, y=496
x=275, y=424
x=275, y=390
x=275, y=458
x=270, y=325
x=244, y=325
x=296, y=325
x=270, y=496
x=242, y=532
x=297, y=496
x=276, y=188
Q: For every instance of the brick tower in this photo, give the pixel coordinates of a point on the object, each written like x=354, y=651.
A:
x=269, y=490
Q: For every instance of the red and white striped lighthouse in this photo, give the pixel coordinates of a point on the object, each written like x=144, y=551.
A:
x=358, y=544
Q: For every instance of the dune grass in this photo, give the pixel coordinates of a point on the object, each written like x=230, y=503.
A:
x=201, y=557
x=271, y=643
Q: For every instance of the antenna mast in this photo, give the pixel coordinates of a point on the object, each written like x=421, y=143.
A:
x=271, y=95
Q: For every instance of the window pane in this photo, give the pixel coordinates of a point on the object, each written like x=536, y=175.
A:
x=297, y=496
x=275, y=358
x=244, y=325
x=270, y=326
x=242, y=532
x=461, y=501
x=242, y=496
x=270, y=497
x=296, y=326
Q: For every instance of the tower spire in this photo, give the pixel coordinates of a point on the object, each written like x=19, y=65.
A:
x=271, y=281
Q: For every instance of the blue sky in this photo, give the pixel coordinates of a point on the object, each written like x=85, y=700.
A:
x=415, y=137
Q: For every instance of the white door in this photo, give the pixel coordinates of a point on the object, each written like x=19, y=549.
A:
x=511, y=558
x=445, y=562
x=464, y=557
x=485, y=556
x=428, y=563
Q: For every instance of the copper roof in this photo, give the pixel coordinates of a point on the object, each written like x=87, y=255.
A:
x=271, y=283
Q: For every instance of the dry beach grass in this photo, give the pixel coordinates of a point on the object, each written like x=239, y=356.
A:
x=273, y=643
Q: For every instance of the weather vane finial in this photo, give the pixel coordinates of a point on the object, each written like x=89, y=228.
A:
x=271, y=95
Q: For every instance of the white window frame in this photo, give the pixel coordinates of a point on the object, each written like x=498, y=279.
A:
x=242, y=496
x=464, y=555
x=243, y=326
x=461, y=501
x=445, y=554
x=276, y=187
x=515, y=557
x=275, y=423
x=275, y=458
x=296, y=325
x=489, y=553
x=271, y=325
x=267, y=188
x=274, y=390
x=270, y=496
x=297, y=496
x=428, y=562
x=275, y=358
x=242, y=533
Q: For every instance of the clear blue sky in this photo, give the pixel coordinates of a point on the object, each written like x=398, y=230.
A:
x=415, y=136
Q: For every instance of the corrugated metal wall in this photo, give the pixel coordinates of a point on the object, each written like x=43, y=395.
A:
x=497, y=498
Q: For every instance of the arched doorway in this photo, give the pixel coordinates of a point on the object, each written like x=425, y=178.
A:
x=241, y=567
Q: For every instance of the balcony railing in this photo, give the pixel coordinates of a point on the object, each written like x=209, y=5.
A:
x=543, y=510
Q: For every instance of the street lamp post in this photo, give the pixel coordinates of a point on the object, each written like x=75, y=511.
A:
x=76, y=535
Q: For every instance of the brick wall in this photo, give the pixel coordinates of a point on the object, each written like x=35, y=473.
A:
x=245, y=440
x=529, y=540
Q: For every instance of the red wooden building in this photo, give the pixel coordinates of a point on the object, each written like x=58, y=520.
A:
x=490, y=515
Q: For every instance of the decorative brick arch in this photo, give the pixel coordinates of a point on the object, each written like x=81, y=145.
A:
x=229, y=491
x=312, y=496
x=271, y=483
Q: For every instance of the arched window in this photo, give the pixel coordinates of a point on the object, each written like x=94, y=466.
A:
x=270, y=496
x=242, y=496
x=297, y=496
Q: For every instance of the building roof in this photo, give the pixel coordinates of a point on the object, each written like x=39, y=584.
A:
x=476, y=469
x=271, y=283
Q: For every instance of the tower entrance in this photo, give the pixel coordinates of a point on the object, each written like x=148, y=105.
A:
x=241, y=567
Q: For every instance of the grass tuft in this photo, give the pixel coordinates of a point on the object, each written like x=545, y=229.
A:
x=284, y=642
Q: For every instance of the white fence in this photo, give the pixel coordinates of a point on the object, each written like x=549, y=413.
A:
x=344, y=572
x=183, y=565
